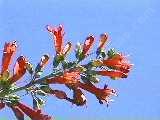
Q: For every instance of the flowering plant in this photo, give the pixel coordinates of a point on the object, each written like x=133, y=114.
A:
x=76, y=75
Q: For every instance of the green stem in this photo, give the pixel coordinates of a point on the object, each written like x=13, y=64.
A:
x=38, y=81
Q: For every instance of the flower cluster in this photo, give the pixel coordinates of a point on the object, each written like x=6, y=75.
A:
x=75, y=74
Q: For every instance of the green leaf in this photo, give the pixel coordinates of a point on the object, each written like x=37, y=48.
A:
x=35, y=104
x=38, y=74
x=101, y=53
x=14, y=99
x=58, y=59
x=45, y=88
x=41, y=102
x=41, y=92
x=30, y=68
x=94, y=80
x=38, y=103
x=111, y=53
x=5, y=75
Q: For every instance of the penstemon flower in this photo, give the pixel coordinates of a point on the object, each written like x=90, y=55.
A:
x=101, y=94
x=76, y=74
x=58, y=36
x=19, y=69
x=118, y=62
x=9, y=50
x=104, y=95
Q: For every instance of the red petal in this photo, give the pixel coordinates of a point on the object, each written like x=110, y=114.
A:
x=103, y=40
x=58, y=34
x=9, y=50
x=33, y=114
x=19, y=69
x=18, y=112
x=114, y=74
x=88, y=44
x=118, y=62
x=67, y=48
x=67, y=78
x=101, y=94
x=49, y=28
x=27, y=110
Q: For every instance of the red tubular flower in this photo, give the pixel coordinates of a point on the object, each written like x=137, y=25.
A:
x=2, y=105
x=101, y=94
x=103, y=40
x=78, y=97
x=67, y=78
x=104, y=95
x=9, y=50
x=114, y=74
x=58, y=34
x=88, y=87
x=88, y=44
x=18, y=112
x=33, y=114
x=118, y=62
x=19, y=69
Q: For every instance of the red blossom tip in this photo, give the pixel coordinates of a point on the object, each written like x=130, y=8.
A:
x=118, y=62
x=58, y=34
x=49, y=28
x=88, y=44
x=103, y=39
x=33, y=114
x=19, y=69
x=8, y=51
x=67, y=48
x=104, y=95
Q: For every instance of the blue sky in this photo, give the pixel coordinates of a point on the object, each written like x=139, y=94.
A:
x=133, y=26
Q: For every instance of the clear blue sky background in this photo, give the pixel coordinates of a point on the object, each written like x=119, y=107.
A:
x=133, y=26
